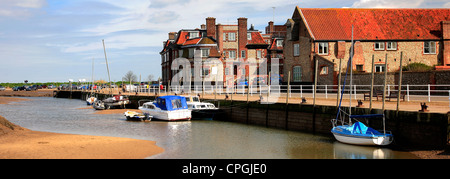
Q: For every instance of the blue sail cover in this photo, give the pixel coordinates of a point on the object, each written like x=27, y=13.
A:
x=360, y=128
x=171, y=103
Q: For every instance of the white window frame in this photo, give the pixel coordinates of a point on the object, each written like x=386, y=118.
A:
x=378, y=46
x=296, y=49
x=279, y=43
x=232, y=54
x=249, y=36
x=380, y=67
x=323, y=48
x=258, y=54
x=193, y=35
x=231, y=36
x=243, y=54
x=431, y=46
x=205, y=52
x=391, y=45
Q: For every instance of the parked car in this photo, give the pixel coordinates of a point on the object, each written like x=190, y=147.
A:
x=51, y=86
x=2, y=88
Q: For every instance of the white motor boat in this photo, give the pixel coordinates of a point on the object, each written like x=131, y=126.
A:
x=170, y=108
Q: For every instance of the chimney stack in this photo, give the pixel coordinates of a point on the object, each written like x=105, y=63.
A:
x=211, y=27
x=242, y=36
x=446, y=39
x=172, y=35
x=270, y=28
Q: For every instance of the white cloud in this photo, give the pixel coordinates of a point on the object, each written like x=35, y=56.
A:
x=19, y=8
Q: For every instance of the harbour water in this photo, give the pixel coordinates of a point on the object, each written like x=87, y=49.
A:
x=189, y=139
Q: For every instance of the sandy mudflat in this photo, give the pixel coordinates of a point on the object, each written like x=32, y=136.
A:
x=44, y=145
x=21, y=143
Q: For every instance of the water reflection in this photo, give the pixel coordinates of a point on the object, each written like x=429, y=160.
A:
x=188, y=139
x=346, y=151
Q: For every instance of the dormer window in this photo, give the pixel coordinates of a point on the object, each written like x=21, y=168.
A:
x=249, y=36
x=193, y=35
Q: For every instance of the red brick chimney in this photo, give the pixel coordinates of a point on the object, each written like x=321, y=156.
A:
x=242, y=36
x=211, y=27
x=446, y=40
x=270, y=30
x=172, y=35
x=220, y=37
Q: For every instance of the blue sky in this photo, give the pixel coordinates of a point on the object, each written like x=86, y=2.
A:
x=56, y=40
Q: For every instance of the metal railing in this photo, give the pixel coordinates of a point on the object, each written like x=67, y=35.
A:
x=429, y=92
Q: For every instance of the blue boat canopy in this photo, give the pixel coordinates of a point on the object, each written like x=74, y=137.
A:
x=171, y=103
x=360, y=128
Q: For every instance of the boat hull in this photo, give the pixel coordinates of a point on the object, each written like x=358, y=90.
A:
x=176, y=115
x=362, y=139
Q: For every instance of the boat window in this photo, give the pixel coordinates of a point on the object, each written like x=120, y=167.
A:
x=203, y=106
x=211, y=106
x=191, y=106
x=176, y=103
x=195, y=99
x=188, y=99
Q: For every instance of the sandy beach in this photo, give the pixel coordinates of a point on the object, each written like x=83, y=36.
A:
x=17, y=142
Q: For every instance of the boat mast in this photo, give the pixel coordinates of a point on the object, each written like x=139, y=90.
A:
x=107, y=68
x=92, y=87
x=351, y=78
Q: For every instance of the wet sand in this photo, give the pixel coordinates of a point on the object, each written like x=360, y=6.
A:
x=20, y=143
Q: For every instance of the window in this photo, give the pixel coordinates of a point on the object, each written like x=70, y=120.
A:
x=232, y=54
x=429, y=47
x=227, y=71
x=205, y=71
x=296, y=49
x=243, y=54
x=379, y=45
x=324, y=70
x=359, y=67
x=191, y=53
x=297, y=73
x=176, y=103
x=279, y=43
x=205, y=52
x=258, y=54
x=323, y=48
x=193, y=35
x=180, y=53
x=224, y=37
x=380, y=68
x=232, y=36
x=391, y=45
x=249, y=36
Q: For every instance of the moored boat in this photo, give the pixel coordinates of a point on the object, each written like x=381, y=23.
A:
x=112, y=102
x=170, y=108
x=357, y=133
x=201, y=110
x=135, y=116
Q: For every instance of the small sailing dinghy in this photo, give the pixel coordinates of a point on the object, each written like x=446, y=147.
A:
x=357, y=133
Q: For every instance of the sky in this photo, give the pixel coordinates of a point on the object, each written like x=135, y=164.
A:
x=58, y=40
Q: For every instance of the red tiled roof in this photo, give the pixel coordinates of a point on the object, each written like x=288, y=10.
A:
x=192, y=41
x=375, y=24
x=182, y=37
x=274, y=46
x=256, y=39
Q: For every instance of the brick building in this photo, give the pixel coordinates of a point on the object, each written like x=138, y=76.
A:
x=325, y=34
x=233, y=42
